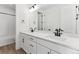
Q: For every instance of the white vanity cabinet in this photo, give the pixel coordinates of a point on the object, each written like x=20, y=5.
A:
x=27, y=44
x=32, y=47
x=56, y=48
x=36, y=45
x=42, y=50
x=24, y=42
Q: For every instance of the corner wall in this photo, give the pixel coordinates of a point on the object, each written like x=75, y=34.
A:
x=7, y=26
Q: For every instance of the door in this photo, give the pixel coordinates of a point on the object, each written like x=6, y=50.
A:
x=42, y=50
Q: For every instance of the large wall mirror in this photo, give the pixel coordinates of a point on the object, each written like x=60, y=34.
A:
x=53, y=16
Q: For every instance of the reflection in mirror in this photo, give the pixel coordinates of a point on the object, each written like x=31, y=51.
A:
x=40, y=21
x=55, y=16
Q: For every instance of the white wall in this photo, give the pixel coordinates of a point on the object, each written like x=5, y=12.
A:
x=68, y=18
x=60, y=16
x=51, y=18
x=7, y=26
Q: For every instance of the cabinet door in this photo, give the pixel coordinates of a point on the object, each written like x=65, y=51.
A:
x=26, y=44
x=30, y=46
x=42, y=50
x=21, y=37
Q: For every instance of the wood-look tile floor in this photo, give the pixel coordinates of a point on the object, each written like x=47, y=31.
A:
x=10, y=49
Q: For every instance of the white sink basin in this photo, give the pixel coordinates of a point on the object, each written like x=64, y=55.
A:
x=50, y=36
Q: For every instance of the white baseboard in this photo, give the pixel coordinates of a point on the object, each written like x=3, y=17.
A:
x=6, y=40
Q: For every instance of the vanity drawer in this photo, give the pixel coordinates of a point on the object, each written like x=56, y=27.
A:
x=30, y=47
x=28, y=36
x=31, y=38
x=28, y=44
x=56, y=47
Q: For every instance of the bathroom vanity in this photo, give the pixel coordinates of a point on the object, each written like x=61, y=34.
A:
x=42, y=43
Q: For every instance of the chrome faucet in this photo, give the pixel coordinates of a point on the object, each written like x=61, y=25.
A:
x=32, y=29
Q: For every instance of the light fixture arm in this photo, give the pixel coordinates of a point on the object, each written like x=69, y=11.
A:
x=33, y=8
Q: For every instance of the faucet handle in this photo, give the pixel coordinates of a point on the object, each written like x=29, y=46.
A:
x=60, y=29
x=56, y=29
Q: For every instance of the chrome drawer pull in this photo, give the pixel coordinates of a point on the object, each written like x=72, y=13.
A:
x=31, y=45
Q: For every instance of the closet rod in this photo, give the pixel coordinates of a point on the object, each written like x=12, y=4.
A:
x=6, y=14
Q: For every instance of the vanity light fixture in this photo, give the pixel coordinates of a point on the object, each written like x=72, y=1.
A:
x=33, y=8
